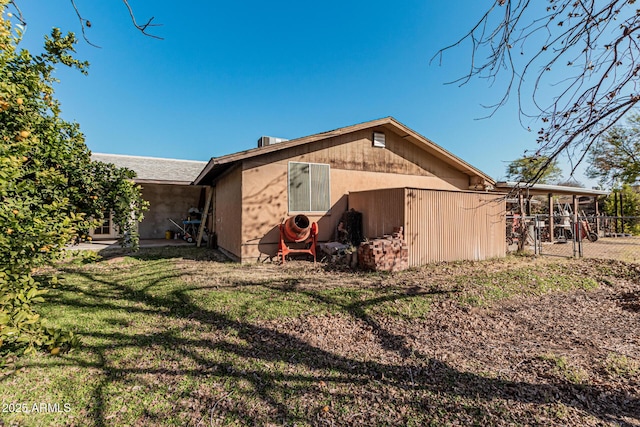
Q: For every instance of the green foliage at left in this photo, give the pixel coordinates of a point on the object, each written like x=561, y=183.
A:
x=50, y=190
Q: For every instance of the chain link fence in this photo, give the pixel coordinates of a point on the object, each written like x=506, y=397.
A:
x=603, y=237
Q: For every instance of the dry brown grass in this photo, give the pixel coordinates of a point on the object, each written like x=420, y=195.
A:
x=174, y=340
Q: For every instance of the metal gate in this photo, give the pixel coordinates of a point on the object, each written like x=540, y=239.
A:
x=576, y=237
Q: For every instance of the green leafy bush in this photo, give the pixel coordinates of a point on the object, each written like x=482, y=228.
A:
x=50, y=189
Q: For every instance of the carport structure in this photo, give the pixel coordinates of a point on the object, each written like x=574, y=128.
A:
x=524, y=191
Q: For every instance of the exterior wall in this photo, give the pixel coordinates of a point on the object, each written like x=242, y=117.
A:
x=355, y=166
x=452, y=226
x=228, y=212
x=265, y=202
x=355, y=152
x=382, y=210
x=166, y=201
x=438, y=225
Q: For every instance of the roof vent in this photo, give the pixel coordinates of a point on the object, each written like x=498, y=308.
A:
x=263, y=141
x=379, y=139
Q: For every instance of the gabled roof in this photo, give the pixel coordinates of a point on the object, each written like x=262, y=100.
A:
x=155, y=170
x=218, y=165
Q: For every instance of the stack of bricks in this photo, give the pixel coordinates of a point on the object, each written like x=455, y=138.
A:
x=388, y=253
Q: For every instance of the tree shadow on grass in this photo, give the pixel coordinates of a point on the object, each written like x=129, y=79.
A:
x=165, y=252
x=256, y=374
x=358, y=309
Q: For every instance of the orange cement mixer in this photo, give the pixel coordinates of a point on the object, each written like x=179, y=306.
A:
x=298, y=229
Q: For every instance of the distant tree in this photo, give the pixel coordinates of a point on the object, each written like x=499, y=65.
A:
x=629, y=208
x=570, y=183
x=534, y=169
x=616, y=155
x=49, y=187
x=586, y=53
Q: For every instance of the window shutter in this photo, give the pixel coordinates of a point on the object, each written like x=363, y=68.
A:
x=299, y=187
x=320, y=195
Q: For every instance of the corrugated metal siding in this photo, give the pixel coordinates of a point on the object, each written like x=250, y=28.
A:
x=382, y=210
x=438, y=225
x=451, y=226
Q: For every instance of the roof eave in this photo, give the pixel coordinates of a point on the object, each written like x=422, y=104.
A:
x=203, y=174
x=547, y=188
x=161, y=181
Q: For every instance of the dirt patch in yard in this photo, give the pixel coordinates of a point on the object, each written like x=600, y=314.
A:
x=190, y=340
x=482, y=353
x=614, y=248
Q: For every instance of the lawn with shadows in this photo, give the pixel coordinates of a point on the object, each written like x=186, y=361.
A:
x=177, y=336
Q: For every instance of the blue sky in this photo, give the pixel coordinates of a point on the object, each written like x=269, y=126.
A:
x=228, y=72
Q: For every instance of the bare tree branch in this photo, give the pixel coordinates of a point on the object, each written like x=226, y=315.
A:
x=83, y=23
x=19, y=17
x=594, y=42
x=142, y=28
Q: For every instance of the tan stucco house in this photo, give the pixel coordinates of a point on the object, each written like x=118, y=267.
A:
x=253, y=191
x=166, y=185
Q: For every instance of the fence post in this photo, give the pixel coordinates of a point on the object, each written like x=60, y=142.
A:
x=551, y=224
x=575, y=228
x=597, y=215
x=522, y=229
x=621, y=214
